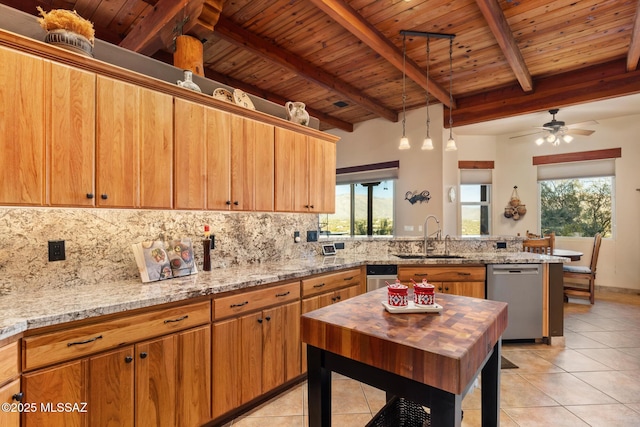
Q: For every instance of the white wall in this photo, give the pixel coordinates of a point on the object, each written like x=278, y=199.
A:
x=377, y=141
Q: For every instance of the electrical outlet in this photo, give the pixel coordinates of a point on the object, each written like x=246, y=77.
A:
x=501, y=245
x=339, y=245
x=56, y=250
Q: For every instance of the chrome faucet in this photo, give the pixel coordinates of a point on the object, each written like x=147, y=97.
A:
x=427, y=235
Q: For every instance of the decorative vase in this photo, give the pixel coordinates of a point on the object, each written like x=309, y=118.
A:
x=70, y=41
x=297, y=113
x=188, y=82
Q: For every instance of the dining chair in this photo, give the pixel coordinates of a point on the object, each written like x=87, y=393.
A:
x=582, y=273
x=543, y=245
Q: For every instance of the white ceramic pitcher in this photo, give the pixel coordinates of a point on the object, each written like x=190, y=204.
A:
x=296, y=113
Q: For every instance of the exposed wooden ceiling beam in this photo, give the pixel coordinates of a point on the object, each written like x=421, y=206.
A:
x=633, y=56
x=499, y=26
x=246, y=39
x=353, y=22
x=603, y=81
x=334, y=122
x=170, y=18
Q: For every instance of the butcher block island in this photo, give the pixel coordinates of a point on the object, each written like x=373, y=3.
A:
x=432, y=359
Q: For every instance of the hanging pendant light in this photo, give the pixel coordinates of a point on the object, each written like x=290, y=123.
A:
x=451, y=143
x=427, y=144
x=404, y=141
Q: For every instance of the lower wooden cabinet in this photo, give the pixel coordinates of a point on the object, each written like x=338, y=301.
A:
x=10, y=418
x=457, y=280
x=159, y=382
x=254, y=354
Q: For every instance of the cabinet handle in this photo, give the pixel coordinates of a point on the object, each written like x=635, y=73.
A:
x=179, y=319
x=319, y=285
x=69, y=344
x=268, y=318
x=128, y=359
x=89, y=195
x=239, y=305
x=446, y=288
x=228, y=202
x=311, y=206
x=104, y=196
x=18, y=397
x=306, y=206
x=260, y=320
x=461, y=273
x=236, y=203
x=440, y=288
x=283, y=294
x=348, y=278
x=422, y=274
x=143, y=355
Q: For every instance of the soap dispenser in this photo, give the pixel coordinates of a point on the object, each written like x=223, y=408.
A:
x=206, y=244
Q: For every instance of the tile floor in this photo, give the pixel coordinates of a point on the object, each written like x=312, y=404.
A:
x=594, y=380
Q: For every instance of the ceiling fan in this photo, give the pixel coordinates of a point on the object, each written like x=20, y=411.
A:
x=556, y=131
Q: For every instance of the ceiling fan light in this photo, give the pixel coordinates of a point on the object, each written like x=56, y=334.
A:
x=427, y=144
x=404, y=143
x=567, y=138
x=451, y=145
x=540, y=141
x=551, y=138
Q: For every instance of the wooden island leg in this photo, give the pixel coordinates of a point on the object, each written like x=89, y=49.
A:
x=319, y=388
x=491, y=388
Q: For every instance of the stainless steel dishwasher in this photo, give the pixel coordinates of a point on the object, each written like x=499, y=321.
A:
x=520, y=286
x=377, y=275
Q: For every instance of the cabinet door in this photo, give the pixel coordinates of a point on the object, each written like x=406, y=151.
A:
x=292, y=341
x=218, y=167
x=9, y=418
x=194, y=377
x=22, y=129
x=252, y=163
x=190, y=155
x=251, y=356
x=72, y=142
x=273, y=352
x=291, y=172
x=226, y=366
x=64, y=383
x=155, y=400
x=110, y=389
x=322, y=175
x=467, y=289
x=156, y=149
x=346, y=293
x=117, y=143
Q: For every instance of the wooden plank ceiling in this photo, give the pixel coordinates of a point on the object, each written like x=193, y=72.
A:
x=344, y=58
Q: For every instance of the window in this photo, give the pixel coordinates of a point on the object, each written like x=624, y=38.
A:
x=361, y=209
x=475, y=198
x=578, y=207
x=576, y=193
x=475, y=209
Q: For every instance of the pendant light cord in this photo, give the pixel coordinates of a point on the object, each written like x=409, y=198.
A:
x=428, y=66
x=450, y=88
x=404, y=90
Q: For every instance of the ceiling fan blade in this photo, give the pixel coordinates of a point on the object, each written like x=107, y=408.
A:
x=526, y=134
x=584, y=132
x=583, y=124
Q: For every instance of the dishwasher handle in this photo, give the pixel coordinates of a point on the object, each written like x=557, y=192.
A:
x=514, y=269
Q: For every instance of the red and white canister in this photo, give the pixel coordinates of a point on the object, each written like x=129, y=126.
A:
x=398, y=295
x=423, y=293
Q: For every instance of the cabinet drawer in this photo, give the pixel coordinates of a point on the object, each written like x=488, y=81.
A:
x=442, y=274
x=55, y=347
x=255, y=300
x=9, y=367
x=330, y=281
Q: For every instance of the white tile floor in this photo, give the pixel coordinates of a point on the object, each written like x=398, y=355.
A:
x=594, y=380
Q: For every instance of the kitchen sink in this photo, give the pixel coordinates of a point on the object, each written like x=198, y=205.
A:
x=422, y=256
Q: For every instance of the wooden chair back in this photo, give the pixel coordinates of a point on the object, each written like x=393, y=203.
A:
x=543, y=246
x=571, y=288
x=597, y=240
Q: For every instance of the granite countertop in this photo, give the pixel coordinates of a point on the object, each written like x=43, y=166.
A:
x=33, y=306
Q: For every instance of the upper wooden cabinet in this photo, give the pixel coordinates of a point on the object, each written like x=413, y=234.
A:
x=71, y=128
x=252, y=165
x=305, y=169
x=22, y=128
x=134, y=140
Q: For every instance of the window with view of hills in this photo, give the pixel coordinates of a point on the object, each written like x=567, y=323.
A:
x=361, y=209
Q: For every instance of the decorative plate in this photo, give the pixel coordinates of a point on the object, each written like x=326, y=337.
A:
x=412, y=307
x=243, y=99
x=223, y=95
